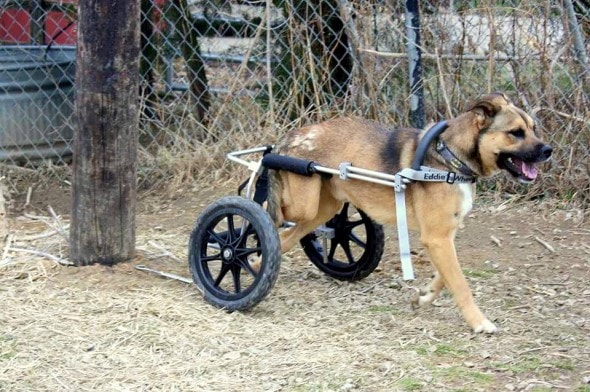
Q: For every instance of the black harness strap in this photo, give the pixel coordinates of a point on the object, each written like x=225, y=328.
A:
x=452, y=160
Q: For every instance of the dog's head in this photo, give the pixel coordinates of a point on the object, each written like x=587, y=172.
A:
x=507, y=138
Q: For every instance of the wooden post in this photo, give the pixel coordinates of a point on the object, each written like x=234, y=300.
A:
x=105, y=145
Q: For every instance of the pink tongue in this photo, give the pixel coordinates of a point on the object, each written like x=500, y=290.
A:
x=529, y=170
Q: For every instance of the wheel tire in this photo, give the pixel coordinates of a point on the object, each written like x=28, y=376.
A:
x=356, y=267
x=219, y=254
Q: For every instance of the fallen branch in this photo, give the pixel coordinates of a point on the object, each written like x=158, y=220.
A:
x=3, y=217
x=165, y=251
x=60, y=226
x=49, y=256
x=28, y=198
x=9, y=240
x=33, y=237
x=496, y=241
x=545, y=244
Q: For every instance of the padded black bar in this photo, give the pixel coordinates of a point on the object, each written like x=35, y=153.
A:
x=283, y=162
x=425, y=142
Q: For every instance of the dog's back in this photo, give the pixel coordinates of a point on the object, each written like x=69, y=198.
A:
x=358, y=141
x=361, y=142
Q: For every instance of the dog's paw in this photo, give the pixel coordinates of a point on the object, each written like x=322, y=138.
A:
x=422, y=298
x=255, y=263
x=486, y=326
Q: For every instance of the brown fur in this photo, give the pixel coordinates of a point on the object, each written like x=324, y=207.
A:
x=478, y=137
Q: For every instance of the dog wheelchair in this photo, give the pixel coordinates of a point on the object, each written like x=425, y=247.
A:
x=234, y=231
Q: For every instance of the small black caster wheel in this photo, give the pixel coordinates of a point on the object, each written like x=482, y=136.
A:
x=354, y=245
x=230, y=238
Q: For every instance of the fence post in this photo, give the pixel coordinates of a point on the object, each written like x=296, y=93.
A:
x=415, y=63
x=105, y=144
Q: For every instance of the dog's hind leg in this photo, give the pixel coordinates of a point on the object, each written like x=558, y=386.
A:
x=305, y=201
x=310, y=205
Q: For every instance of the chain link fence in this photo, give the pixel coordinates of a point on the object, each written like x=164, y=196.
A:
x=221, y=75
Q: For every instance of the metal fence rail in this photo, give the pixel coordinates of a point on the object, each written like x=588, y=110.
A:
x=221, y=75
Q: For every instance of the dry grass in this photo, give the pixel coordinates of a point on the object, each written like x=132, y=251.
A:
x=118, y=329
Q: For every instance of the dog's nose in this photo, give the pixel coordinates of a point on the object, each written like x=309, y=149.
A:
x=546, y=151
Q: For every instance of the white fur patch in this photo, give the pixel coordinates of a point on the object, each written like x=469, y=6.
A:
x=426, y=299
x=467, y=201
x=486, y=326
x=305, y=141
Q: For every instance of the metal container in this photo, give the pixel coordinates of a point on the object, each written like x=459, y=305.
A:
x=36, y=102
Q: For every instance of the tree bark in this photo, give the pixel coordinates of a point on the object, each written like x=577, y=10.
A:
x=105, y=144
x=148, y=59
x=194, y=62
x=415, y=64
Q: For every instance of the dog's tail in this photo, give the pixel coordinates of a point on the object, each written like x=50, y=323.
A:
x=275, y=189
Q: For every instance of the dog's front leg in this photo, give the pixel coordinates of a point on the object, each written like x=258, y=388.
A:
x=441, y=249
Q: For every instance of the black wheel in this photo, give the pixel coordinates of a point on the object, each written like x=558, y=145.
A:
x=229, y=235
x=355, y=249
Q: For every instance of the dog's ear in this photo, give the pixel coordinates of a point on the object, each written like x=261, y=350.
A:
x=487, y=106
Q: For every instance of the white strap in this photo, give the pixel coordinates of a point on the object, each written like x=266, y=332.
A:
x=434, y=175
x=403, y=237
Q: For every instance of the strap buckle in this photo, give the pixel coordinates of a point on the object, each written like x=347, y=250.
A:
x=451, y=177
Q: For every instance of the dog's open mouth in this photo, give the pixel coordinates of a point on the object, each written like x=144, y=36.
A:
x=523, y=171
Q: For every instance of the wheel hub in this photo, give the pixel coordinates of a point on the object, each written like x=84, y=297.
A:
x=227, y=255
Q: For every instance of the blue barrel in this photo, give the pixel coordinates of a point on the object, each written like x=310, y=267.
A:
x=36, y=102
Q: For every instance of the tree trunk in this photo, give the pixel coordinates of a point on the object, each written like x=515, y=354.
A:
x=415, y=64
x=105, y=145
x=316, y=62
x=195, y=65
x=148, y=59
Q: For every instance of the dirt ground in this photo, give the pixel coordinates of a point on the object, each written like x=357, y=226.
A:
x=119, y=329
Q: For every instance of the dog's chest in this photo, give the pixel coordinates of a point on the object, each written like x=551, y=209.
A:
x=466, y=191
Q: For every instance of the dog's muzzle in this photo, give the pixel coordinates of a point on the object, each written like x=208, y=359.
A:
x=522, y=164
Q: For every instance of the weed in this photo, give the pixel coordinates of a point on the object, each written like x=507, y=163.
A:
x=482, y=274
x=448, y=350
x=456, y=373
x=563, y=365
x=527, y=364
x=382, y=309
x=410, y=384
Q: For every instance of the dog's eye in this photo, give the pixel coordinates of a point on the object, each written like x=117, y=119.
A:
x=517, y=133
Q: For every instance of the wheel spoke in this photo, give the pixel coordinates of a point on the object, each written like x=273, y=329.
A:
x=354, y=238
x=222, y=273
x=346, y=247
x=231, y=230
x=215, y=237
x=207, y=259
x=245, y=231
x=333, y=245
x=235, y=271
x=246, y=265
x=241, y=252
x=352, y=224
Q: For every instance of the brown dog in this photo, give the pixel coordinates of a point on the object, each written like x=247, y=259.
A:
x=492, y=135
